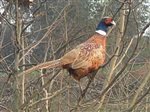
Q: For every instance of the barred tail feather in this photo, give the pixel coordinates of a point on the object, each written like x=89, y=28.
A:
x=50, y=64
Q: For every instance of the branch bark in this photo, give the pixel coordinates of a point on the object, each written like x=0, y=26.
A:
x=135, y=99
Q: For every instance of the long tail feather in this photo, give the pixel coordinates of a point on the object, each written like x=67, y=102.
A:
x=50, y=64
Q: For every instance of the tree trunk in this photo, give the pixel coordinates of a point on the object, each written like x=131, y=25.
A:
x=17, y=43
x=114, y=60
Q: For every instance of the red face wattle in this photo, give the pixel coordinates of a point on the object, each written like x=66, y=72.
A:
x=108, y=20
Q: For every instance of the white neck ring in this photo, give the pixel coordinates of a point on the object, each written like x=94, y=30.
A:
x=101, y=32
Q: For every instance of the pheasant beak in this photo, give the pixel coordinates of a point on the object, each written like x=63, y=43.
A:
x=113, y=23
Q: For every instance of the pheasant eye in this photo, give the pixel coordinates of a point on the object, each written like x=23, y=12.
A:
x=106, y=21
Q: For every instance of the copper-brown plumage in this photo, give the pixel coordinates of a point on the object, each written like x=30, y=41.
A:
x=84, y=58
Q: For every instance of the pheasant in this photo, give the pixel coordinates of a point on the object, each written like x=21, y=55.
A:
x=84, y=58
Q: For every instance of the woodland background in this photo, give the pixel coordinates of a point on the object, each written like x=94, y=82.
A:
x=32, y=33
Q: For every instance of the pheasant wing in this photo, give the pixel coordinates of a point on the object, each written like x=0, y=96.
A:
x=88, y=53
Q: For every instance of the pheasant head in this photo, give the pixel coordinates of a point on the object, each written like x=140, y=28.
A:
x=104, y=24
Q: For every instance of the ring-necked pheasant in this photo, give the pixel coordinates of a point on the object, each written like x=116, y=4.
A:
x=84, y=58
